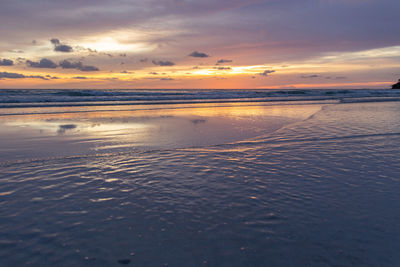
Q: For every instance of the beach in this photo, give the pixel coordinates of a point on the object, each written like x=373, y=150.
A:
x=209, y=178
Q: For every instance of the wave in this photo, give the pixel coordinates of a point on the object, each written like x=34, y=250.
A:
x=79, y=97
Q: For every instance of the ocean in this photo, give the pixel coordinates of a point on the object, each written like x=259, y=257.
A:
x=199, y=177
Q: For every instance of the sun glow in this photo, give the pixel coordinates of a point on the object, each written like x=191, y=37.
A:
x=107, y=44
x=115, y=44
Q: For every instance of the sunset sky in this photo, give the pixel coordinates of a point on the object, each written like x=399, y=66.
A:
x=199, y=44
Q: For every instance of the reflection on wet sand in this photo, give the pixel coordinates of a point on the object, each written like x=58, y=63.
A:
x=174, y=127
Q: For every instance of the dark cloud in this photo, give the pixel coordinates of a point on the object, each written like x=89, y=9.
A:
x=80, y=77
x=326, y=77
x=266, y=72
x=223, y=68
x=126, y=72
x=12, y=75
x=167, y=79
x=54, y=41
x=310, y=76
x=6, y=62
x=59, y=47
x=198, y=54
x=88, y=68
x=221, y=61
x=163, y=63
x=153, y=73
x=63, y=48
x=66, y=64
x=43, y=63
x=143, y=60
x=52, y=77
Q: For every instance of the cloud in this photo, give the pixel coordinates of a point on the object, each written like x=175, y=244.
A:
x=163, y=63
x=63, y=48
x=43, y=63
x=143, y=60
x=310, y=76
x=316, y=26
x=223, y=68
x=167, y=79
x=21, y=60
x=153, y=73
x=52, y=77
x=6, y=62
x=17, y=51
x=66, y=64
x=80, y=77
x=221, y=61
x=88, y=68
x=266, y=72
x=59, y=47
x=54, y=41
x=13, y=75
x=326, y=77
x=294, y=30
x=198, y=54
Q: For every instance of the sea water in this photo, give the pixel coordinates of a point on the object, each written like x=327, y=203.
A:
x=293, y=183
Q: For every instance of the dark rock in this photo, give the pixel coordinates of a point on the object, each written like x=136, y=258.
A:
x=396, y=85
x=124, y=261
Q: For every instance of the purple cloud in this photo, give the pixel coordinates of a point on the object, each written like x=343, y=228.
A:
x=222, y=61
x=6, y=62
x=43, y=64
x=13, y=75
x=59, y=47
x=198, y=54
x=66, y=64
x=163, y=63
x=266, y=72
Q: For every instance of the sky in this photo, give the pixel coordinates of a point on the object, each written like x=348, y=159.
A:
x=233, y=44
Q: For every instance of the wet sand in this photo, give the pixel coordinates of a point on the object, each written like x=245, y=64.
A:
x=286, y=185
